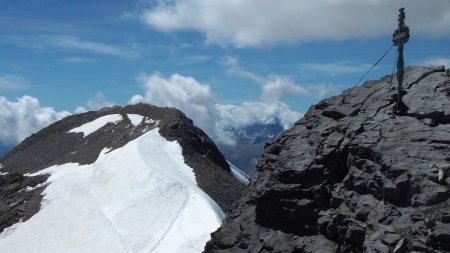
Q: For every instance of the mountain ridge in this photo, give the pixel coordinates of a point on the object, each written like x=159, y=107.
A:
x=84, y=139
x=351, y=176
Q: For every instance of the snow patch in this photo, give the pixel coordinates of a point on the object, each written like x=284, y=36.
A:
x=136, y=119
x=29, y=188
x=138, y=198
x=151, y=121
x=239, y=175
x=2, y=173
x=95, y=125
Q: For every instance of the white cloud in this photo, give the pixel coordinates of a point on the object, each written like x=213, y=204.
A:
x=80, y=109
x=71, y=43
x=233, y=67
x=192, y=59
x=199, y=103
x=21, y=118
x=99, y=101
x=78, y=60
x=437, y=62
x=96, y=103
x=263, y=22
x=275, y=87
x=320, y=90
x=183, y=92
x=335, y=68
x=13, y=82
x=255, y=112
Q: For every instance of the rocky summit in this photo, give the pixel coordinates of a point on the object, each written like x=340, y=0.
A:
x=351, y=176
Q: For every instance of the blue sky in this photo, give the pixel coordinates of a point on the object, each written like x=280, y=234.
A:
x=224, y=63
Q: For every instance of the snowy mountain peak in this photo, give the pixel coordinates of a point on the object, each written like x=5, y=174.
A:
x=125, y=179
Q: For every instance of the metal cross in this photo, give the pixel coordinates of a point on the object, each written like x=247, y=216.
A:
x=400, y=37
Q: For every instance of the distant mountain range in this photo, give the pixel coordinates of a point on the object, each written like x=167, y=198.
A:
x=249, y=144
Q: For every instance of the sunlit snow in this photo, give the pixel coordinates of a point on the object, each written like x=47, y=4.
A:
x=93, y=126
x=2, y=173
x=238, y=174
x=139, y=198
x=136, y=119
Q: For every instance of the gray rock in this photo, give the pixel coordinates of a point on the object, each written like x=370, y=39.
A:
x=440, y=237
x=400, y=247
x=323, y=245
x=390, y=239
x=357, y=171
x=355, y=235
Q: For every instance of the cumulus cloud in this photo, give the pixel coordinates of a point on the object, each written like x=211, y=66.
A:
x=320, y=90
x=255, y=112
x=182, y=92
x=199, y=103
x=263, y=22
x=13, y=82
x=96, y=103
x=274, y=87
x=21, y=118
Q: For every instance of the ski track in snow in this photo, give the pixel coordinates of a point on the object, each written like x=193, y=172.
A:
x=157, y=244
x=139, y=198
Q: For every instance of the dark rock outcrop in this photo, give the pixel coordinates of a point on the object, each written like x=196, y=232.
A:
x=350, y=176
x=55, y=145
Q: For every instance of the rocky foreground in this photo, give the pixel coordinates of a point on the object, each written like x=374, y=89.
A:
x=353, y=177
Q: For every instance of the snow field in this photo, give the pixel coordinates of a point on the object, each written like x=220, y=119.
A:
x=136, y=119
x=139, y=198
x=96, y=124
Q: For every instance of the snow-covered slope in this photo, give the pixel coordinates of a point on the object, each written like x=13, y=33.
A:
x=132, y=179
x=239, y=174
x=95, y=125
x=139, y=198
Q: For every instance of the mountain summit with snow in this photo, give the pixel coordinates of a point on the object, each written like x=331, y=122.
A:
x=137, y=178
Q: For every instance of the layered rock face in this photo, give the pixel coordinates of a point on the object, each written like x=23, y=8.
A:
x=20, y=194
x=353, y=177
